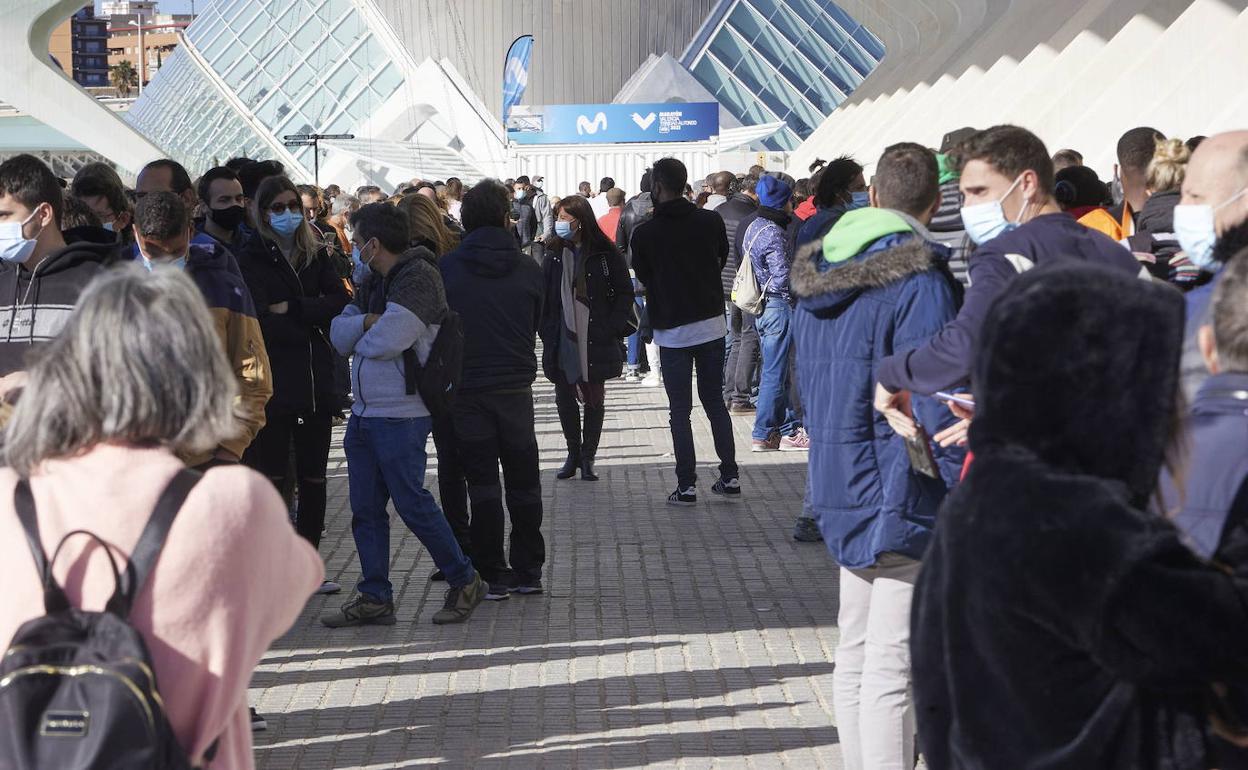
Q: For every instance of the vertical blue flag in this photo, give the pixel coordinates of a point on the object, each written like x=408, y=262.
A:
x=516, y=72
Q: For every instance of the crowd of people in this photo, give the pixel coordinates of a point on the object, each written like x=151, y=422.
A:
x=1072, y=592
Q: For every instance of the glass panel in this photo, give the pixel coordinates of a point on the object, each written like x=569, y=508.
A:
x=842, y=75
x=771, y=45
x=728, y=48
x=304, y=36
x=298, y=80
x=858, y=59
x=869, y=42
x=388, y=80
x=350, y=30
x=765, y=7
x=339, y=85
x=710, y=75
x=752, y=73
x=840, y=17
x=745, y=21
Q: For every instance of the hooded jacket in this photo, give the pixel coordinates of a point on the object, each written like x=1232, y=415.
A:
x=215, y=272
x=733, y=211
x=497, y=292
x=35, y=305
x=299, y=351
x=946, y=360
x=1056, y=623
x=609, y=290
x=880, y=286
x=679, y=255
x=411, y=303
x=767, y=246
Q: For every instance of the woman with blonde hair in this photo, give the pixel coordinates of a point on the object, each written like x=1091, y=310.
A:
x=136, y=378
x=298, y=290
x=453, y=195
x=428, y=224
x=1154, y=242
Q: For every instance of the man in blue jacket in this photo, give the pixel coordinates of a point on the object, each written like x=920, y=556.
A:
x=1007, y=179
x=401, y=306
x=877, y=285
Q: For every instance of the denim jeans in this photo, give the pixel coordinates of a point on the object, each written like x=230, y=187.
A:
x=742, y=368
x=775, y=337
x=634, y=340
x=493, y=429
x=678, y=367
x=386, y=460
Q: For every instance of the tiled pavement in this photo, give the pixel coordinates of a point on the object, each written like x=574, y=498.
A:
x=677, y=637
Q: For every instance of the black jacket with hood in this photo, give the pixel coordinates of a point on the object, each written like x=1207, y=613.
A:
x=1057, y=623
x=679, y=255
x=497, y=292
x=35, y=305
x=297, y=341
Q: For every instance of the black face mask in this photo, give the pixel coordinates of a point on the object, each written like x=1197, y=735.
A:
x=228, y=218
x=1231, y=242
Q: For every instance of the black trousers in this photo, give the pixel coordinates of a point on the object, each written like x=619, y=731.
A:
x=493, y=429
x=741, y=370
x=452, y=486
x=270, y=454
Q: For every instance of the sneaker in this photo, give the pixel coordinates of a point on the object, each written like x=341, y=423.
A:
x=652, y=380
x=527, y=586
x=807, y=530
x=684, y=497
x=632, y=375
x=741, y=407
x=363, y=610
x=798, y=442
x=770, y=444
x=497, y=592
x=461, y=601
x=729, y=489
x=258, y=723
x=328, y=587
x=438, y=576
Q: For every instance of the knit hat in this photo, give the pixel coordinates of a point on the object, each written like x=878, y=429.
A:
x=772, y=192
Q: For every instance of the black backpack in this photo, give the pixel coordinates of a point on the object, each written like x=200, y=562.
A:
x=438, y=380
x=77, y=690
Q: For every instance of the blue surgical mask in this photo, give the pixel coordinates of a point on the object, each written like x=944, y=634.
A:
x=564, y=230
x=520, y=194
x=985, y=221
x=1196, y=229
x=14, y=246
x=860, y=200
x=108, y=226
x=178, y=264
x=286, y=224
x=362, y=270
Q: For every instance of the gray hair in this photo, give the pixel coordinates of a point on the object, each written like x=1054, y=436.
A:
x=139, y=362
x=344, y=204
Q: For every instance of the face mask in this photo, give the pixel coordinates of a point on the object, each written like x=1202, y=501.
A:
x=362, y=270
x=228, y=218
x=109, y=227
x=564, y=230
x=860, y=200
x=15, y=247
x=1195, y=227
x=520, y=195
x=349, y=231
x=985, y=221
x=286, y=224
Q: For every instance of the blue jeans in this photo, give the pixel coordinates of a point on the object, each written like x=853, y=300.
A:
x=775, y=337
x=678, y=365
x=386, y=460
x=634, y=340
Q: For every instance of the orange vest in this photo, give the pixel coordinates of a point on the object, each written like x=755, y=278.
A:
x=1101, y=221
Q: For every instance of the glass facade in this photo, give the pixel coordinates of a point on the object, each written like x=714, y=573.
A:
x=304, y=66
x=785, y=60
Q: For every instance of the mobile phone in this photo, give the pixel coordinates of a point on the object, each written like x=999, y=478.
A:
x=919, y=448
x=956, y=398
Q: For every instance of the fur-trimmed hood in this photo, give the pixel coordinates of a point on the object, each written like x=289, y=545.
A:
x=885, y=261
x=1078, y=365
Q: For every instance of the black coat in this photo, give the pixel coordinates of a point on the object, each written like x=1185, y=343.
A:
x=679, y=255
x=1056, y=623
x=638, y=209
x=610, y=293
x=297, y=340
x=733, y=211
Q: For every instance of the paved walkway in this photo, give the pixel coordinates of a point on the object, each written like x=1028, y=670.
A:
x=677, y=637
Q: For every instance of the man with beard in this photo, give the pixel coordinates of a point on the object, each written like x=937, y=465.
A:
x=1211, y=222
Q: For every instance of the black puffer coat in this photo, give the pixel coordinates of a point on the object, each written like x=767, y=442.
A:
x=1056, y=623
x=610, y=293
x=301, y=356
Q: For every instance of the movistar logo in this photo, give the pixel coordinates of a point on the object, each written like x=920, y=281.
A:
x=586, y=126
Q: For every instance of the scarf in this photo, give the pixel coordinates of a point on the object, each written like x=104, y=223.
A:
x=574, y=301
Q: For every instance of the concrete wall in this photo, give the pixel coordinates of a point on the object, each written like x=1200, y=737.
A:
x=1077, y=72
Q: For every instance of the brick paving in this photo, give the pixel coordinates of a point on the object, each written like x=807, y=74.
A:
x=669, y=637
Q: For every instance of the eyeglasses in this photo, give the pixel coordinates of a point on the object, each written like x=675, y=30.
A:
x=280, y=208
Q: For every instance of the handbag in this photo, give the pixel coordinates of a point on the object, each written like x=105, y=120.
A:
x=746, y=293
x=633, y=322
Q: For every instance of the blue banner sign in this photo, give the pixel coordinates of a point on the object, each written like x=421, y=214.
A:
x=615, y=123
x=516, y=72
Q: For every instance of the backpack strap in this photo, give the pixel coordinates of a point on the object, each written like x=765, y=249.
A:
x=147, y=550
x=54, y=598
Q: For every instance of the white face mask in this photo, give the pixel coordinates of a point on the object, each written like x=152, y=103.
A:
x=985, y=221
x=14, y=246
x=1195, y=226
x=109, y=226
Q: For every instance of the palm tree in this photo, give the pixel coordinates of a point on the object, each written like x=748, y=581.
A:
x=123, y=77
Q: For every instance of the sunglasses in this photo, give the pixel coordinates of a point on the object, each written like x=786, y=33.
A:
x=281, y=208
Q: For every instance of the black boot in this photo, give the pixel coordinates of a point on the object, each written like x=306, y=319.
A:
x=570, y=421
x=594, y=416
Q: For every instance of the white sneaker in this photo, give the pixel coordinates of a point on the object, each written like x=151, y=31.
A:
x=652, y=380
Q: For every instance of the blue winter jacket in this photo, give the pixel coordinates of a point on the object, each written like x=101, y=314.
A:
x=766, y=244
x=890, y=298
